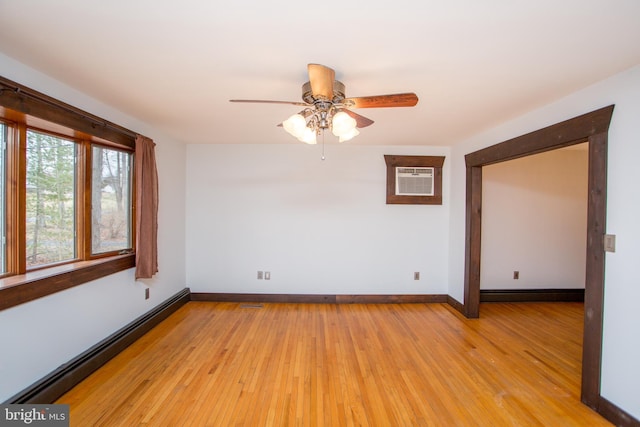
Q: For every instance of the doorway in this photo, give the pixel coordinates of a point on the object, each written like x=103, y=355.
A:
x=592, y=128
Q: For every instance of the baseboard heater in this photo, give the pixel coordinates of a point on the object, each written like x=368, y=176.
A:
x=67, y=376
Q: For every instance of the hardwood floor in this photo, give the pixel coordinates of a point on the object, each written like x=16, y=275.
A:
x=224, y=364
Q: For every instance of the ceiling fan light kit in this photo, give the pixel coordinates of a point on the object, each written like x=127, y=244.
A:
x=327, y=108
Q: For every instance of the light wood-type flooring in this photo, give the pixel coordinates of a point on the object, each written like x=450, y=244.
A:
x=232, y=364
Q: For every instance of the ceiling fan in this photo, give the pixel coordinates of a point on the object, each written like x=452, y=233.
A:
x=326, y=107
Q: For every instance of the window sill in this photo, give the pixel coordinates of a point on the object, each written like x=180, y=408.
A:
x=17, y=290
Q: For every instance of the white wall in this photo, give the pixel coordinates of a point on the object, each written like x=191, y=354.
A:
x=621, y=347
x=319, y=227
x=534, y=221
x=39, y=336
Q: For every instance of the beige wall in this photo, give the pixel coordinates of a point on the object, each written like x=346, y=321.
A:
x=534, y=221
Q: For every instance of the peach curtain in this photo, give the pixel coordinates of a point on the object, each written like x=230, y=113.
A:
x=146, y=208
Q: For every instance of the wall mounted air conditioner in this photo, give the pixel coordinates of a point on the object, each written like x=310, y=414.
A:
x=414, y=181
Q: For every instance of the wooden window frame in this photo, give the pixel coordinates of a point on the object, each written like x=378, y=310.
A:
x=394, y=161
x=23, y=108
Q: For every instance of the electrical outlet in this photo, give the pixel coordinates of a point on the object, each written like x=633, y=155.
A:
x=416, y=275
x=146, y=293
x=610, y=242
x=516, y=275
x=267, y=275
x=260, y=275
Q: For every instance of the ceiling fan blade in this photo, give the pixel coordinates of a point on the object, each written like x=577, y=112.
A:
x=321, y=79
x=361, y=121
x=382, y=101
x=260, y=101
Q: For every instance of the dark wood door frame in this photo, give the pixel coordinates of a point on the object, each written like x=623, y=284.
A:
x=593, y=128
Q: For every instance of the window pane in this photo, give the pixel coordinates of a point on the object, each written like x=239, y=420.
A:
x=3, y=198
x=111, y=200
x=50, y=210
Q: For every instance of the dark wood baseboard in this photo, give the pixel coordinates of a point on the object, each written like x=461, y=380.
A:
x=318, y=298
x=54, y=385
x=532, y=295
x=616, y=415
x=455, y=304
x=292, y=298
x=390, y=299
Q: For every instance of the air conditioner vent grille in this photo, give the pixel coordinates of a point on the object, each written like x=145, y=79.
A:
x=414, y=181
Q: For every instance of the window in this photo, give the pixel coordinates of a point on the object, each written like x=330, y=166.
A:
x=111, y=200
x=3, y=198
x=59, y=226
x=66, y=196
x=50, y=199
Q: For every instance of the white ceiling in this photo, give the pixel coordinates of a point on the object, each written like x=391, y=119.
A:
x=175, y=64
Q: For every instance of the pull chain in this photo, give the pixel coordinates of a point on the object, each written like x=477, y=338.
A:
x=322, y=158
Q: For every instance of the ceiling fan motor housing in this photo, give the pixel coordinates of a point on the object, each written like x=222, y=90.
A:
x=338, y=93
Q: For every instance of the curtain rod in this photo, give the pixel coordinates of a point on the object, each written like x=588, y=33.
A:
x=20, y=90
